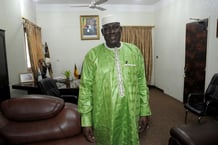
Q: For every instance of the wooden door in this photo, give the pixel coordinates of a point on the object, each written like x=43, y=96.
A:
x=195, y=57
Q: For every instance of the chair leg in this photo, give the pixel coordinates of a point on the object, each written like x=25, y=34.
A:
x=173, y=141
x=199, y=119
x=186, y=115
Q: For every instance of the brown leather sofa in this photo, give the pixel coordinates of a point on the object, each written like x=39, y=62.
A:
x=40, y=120
x=195, y=134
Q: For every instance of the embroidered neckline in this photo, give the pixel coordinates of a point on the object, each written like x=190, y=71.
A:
x=113, y=49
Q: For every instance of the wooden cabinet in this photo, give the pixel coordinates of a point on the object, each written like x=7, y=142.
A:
x=4, y=81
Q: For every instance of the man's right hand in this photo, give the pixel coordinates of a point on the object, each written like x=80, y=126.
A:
x=88, y=133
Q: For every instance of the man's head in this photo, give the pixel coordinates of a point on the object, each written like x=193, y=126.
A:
x=111, y=30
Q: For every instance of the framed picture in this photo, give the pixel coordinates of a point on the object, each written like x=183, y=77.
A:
x=26, y=77
x=89, y=27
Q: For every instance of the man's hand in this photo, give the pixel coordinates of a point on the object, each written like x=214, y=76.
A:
x=143, y=123
x=88, y=133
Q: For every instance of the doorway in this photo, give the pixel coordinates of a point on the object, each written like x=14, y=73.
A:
x=195, y=57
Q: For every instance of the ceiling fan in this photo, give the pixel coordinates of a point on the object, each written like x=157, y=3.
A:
x=94, y=5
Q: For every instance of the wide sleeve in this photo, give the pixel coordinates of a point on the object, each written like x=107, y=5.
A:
x=85, y=91
x=143, y=88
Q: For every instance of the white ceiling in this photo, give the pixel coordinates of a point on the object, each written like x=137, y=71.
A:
x=129, y=2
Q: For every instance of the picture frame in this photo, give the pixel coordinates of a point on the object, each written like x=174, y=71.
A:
x=89, y=27
x=26, y=77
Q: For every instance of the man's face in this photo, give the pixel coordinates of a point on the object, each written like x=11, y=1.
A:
x=112, y=34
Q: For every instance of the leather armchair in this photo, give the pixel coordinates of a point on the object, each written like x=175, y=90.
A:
x=204, y=104
x=48, y=86
x=40, y=120
x=194, y=134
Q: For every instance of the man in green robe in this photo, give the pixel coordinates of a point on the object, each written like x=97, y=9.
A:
x=113, y=96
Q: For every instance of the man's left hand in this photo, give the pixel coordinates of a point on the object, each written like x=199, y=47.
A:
x=143, y=123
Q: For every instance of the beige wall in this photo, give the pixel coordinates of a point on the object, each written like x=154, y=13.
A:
x=170, y=25
x=61, y=30
x=11, y=22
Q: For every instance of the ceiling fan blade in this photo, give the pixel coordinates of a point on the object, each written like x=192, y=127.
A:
x=100, y=8
x=79, y=6
x=100, y=2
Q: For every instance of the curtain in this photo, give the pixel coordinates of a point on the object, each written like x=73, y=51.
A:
x=34, y=45
x=141, y=36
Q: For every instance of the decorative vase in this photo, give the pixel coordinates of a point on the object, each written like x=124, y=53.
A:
x=67, y=83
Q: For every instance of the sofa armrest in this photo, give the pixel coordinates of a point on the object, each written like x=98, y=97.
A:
x=195, y=134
